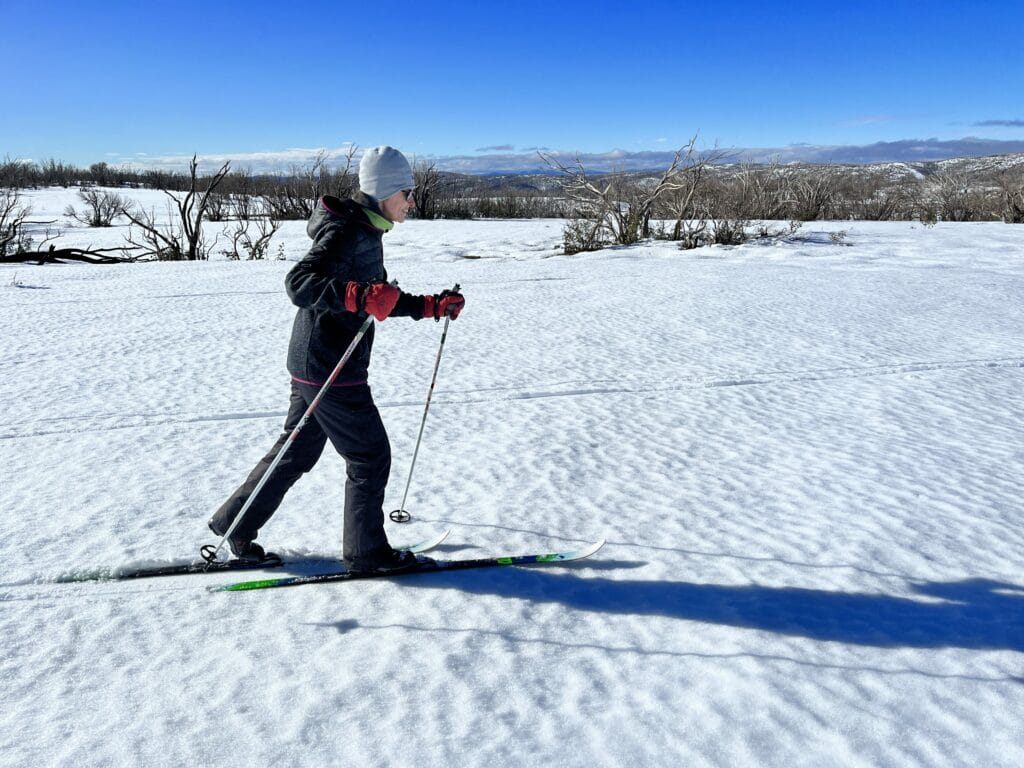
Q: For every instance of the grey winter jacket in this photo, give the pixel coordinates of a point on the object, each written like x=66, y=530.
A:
x=347, y=246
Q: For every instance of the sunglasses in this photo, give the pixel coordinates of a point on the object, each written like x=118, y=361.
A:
x=408, y=194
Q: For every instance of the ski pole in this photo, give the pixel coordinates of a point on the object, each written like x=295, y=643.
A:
x=400, y=515
x=209, y=552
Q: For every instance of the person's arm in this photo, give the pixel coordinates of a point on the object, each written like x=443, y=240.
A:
x=313, y=283
x=384, y=300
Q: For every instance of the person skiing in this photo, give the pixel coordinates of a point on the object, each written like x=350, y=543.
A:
x=336, y=286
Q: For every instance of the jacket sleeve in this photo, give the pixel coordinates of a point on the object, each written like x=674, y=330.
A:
x=318, y=282
x=309, y=286
x=314, y=284
x=409, y=305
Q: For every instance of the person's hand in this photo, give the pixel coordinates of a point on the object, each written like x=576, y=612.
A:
x=445, y=304
x=377, y=299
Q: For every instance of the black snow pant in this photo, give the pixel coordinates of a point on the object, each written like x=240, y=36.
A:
x=348, y=418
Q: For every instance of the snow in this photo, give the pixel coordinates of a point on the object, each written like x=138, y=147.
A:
x=806, y=458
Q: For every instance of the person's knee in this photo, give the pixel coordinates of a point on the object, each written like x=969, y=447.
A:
x=370, y=467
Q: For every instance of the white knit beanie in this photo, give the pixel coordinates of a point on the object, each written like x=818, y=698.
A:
x=384, y=171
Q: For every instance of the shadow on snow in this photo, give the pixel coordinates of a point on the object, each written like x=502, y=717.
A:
x=978, y=614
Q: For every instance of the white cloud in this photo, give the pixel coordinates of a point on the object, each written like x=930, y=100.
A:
x=259, y=162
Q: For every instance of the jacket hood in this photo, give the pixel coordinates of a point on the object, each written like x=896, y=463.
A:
x=333, y=211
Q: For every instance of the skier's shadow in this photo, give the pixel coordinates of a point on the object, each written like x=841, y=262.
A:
x=978, y=614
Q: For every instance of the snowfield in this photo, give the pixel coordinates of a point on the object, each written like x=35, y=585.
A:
x=807, y=459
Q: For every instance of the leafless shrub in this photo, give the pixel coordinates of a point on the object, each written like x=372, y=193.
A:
x=218, y=207
x=729, y=231
x=511, y=205
x=456, y=208
x=102, y=207
x=582, y=234
x=872, y=195
x=951, y=193
x=927, y=214
x=812, y=196
x=748, y=192
x=956, y=198
x=764, y=230
x=254, y=246
x=740, y=206
x=692, y=233
x=250, y=238
x=727, y=203
x=453, y=198
x=181, y=239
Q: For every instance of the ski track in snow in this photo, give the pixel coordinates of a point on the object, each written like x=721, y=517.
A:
x=805, y=457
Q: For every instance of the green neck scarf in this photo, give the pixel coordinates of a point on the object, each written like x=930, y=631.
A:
x=379, y=221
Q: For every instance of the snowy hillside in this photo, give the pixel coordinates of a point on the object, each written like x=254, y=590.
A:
x=806, y=458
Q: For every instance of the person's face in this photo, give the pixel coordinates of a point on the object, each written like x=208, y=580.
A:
x=398, y=205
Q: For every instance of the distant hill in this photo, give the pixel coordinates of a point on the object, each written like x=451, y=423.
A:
x=979, y=168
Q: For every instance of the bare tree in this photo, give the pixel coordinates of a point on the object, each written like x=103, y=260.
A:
x=13, y=213
x=298, y=197
x=55, y=173
x=339, y=181
x=686, y=204
x=14, y=174
x=101, y=174
x=181, y=239
x=1012, y=190
x=243, y=199
x=428, y=181
x=621, y=204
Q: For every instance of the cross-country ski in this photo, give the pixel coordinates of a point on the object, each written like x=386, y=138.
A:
x=427, y=566
x=199, y=567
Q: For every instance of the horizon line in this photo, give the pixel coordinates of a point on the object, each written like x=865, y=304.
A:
x=529, y=160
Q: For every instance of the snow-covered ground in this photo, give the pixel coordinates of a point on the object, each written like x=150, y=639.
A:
x=807, y=459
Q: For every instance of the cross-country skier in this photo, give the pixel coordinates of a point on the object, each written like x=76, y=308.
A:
x=340, y=281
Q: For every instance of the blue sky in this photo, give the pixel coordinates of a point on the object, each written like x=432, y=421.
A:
x=476, y=85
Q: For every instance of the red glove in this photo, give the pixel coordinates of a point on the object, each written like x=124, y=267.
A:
x=445, y=304
x=377, y=299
